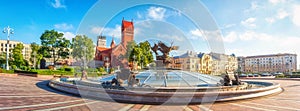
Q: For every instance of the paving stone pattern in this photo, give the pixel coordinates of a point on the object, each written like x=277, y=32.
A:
x=21, y=93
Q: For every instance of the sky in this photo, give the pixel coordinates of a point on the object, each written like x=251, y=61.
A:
x=246, y=27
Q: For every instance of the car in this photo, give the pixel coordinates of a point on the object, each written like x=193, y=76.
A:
x=250, y=75
x=255, y=75
x=242, y=75
x=278, y=73
x=266, y=74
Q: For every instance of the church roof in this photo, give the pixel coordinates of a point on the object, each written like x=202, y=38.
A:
x=102, y=49
x=126, y=24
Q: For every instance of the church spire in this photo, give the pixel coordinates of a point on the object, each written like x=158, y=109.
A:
x=112, y=44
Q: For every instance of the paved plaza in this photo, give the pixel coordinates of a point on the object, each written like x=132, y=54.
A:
x=32, y=93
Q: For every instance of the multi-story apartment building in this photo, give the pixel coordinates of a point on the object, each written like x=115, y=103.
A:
x=13, y=44
x=188, y=61
x=212, y=63
x=272, y=63
x=241, y=64
x=222, y=63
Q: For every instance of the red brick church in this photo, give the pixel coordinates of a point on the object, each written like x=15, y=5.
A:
x=113, y=56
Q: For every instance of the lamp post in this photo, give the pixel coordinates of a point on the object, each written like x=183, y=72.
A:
x=107, y=64
x=290, y=70
x=9, y=31
x=133, y=62
x=34, y=59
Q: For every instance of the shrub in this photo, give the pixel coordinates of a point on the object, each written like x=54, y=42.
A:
x=69, y=69
x=53, y=72
x=24, y=68
x=280, y=76
x=6, y=71
x=14, y=67
x=111, y=70
x=101, y=69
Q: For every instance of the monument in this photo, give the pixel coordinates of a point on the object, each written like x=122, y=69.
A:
x=165, y=50
x=231, y=78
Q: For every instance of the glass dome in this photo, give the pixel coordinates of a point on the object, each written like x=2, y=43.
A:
x=172, y=78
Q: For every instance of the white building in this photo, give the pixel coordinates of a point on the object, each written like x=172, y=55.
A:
x=272, y=63
x=12, y=44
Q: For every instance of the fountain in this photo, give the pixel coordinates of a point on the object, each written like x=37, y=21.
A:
x=165, y=87
x=162, y=86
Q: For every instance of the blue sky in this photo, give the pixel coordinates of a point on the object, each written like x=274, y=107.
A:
x=248, y=27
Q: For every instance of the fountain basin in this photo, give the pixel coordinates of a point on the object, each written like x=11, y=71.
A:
x=166, y=95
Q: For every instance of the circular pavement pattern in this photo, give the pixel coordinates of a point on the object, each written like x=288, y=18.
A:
x=32, y=93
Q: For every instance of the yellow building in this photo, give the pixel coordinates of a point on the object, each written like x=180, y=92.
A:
x=222, y=63
x=205, y=63
x=212, y=63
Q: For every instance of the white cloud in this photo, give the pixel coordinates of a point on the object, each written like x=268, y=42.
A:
x=275, y=2
x=251, y=35
x=58, y=4
x=296, y=15
x=254, y=6
x=63, y=26
x=281, y=14
x=116, y=31
x=156, y=13
x=213, y=35
x=230, y=37
x=250, y=22
x=248, y=35
x=68, y=35
x=173, y=37
x=196, y=34
x=270, y=20
x=228, y=26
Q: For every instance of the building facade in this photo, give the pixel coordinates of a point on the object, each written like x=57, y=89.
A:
x=114, y=56
x=212, y=63
x=273, y=63
x=12, y=44
x=222, y=63
x=188, y=61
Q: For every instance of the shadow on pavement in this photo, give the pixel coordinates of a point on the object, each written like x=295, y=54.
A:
x=44, y=85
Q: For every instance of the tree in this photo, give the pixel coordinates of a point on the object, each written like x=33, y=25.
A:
x=36, y=56
x=54, y=45
x=141, y=53
x=18, y=56
x=83, y=51
x=147, y=56
x=2, y=58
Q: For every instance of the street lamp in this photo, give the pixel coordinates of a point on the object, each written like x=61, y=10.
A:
x=9, y=31
x=290, y=70
x=107, y=64
x=134, y=62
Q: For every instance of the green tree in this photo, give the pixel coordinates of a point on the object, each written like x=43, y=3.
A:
x=83, y=51
x=2, y=58
x=54, y=45
x=139, y=53
x=83, y=48
x=147, y=56
x=130, y=46
x=36, y=56
x=17, y=56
